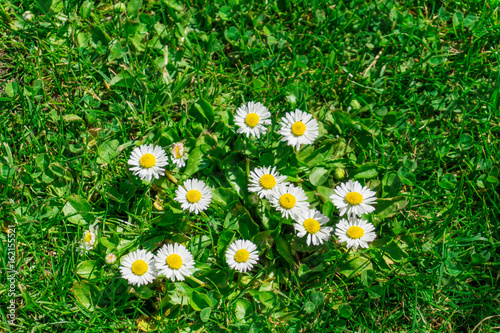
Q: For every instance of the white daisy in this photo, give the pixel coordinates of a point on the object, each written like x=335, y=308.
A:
x=89, y=238
x=242, y=255
x=290, y=200
x=138, y=267
x=174, y=261
x=251, y=119
x=110, y=258
x=356, y=232
x=178, y=155
x=311, y=223
x=263, y=180
x=148, y=161
x=353, y=199
x=298, y=127
x=195, y=195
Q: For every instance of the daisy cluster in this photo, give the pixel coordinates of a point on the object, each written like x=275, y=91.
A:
x=175, y=262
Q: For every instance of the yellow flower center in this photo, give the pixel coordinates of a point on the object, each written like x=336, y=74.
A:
x=298, y=128
x=312, y=226
x=241, y=255
x=148, y=161
x=177, y=152
x=174, y=261
x=88, y=237
x=139, y=267
x=354, y=198
x=355, y=232
x=193, y=196
x=267, y=181
x=252, y=119
x=287, y=201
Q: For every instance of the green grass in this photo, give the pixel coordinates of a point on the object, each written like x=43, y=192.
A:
x=408, y=101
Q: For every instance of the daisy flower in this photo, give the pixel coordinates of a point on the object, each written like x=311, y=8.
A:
x=251, y=119
x=174, y=261
x=263, y=181
x=195, y=196
x=242, y=255
x=353, y=199
x=356, y=232
x=290, y=200
x=138, y=267
x=178, y=156
x=148, y=161
x=298, y=127
x=311, y=223
x=110, y=258
x=89, y=238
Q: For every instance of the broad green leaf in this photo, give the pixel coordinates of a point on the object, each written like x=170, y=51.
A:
x=88, y=269
x=309, y=307
x=86, y=294
x=133, y=7
x=345, y=311
x=12, y=89
x=319, y=175
x=389, y=207
x=78, y=211
x=369, y=170
x=42, y=161
x=195, y=161
x=85, y=9
x=203, y=112
x=199, y=301
x=317, y=297
x=144, y=292
x=284, y=250
x=205, y=314
x=391, y=184
x=108, y=151
x=72, y=117
x=355, y=265
x=242, y=309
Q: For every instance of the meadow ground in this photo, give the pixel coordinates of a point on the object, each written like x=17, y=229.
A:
x=406, y=94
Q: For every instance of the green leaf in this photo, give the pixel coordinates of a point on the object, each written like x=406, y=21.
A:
x=85, y=294
x=195, y=161
x=88, y=270
x=284, y=250
x=389, y=207
x=203, y=112
x=144, y=292
x=97, y=35
x=446, y=185
x=199, y=301
x=85, y=9
x=309, y=307
x=355, y=266
x=369, y=170
x=319, y=175
x=42, y=161
x=133, y=7
x=391, y=184
x=72, y=117
x=205, y=314
x=458, y=17
x=242, y=309
x=345, y=311
x=78, y=211
x=317, y=298
x=12, y=89
x=108, y=151
x=367, y=278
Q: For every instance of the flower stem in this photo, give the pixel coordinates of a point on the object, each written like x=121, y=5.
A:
x=171, y=178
